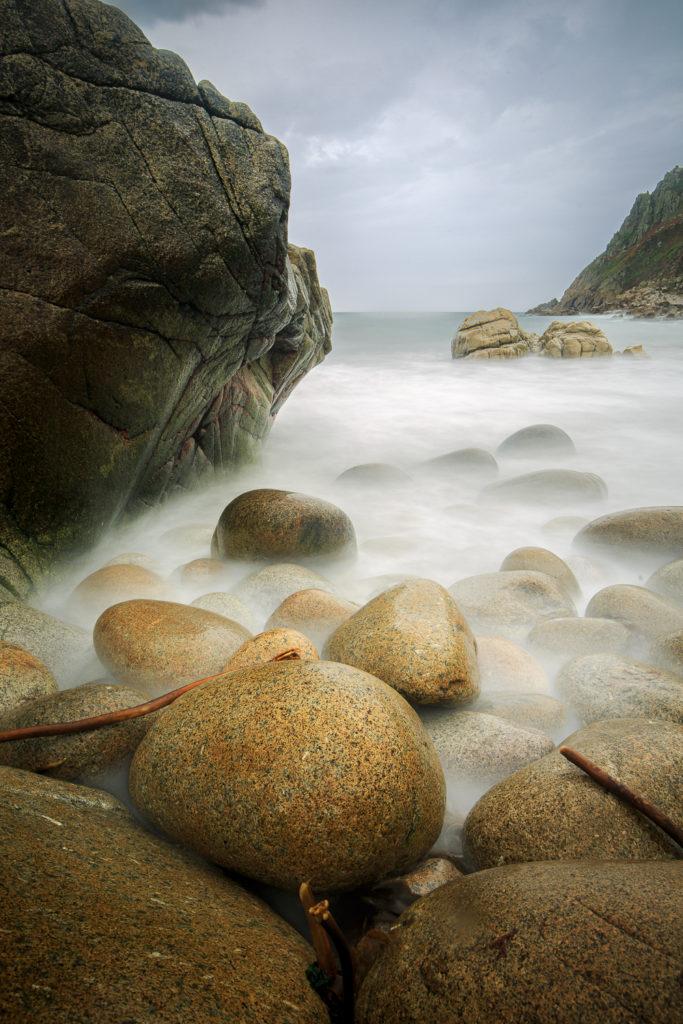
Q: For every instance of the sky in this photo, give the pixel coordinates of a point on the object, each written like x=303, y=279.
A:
x=448, y=155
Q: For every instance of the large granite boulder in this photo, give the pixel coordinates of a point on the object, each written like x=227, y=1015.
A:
x=575, y=340
x=642, y=611
x=490, y=334
x=104, y=922
x=414, y=637
x=536, y=944
x=551, y=810
x=151, y=311
x=611, y=686
x=636, y=534
x=294, y=770
x=510, y=603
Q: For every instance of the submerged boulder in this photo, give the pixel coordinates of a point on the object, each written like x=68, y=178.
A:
x=611, y=686
x=103, y=921
x=292, y=771
x=537, y=439
x=151, y=309
x=510, y=603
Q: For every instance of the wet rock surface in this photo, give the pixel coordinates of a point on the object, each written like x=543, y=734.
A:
x=63, y=646
x=80, y=755
x=414, y=637
x=159, y=645
x=536, y=942
x=509, y=604
x=159, y=934
x=276, y=525
x=599, y=686
x=542, y=560
x=22, y=677
x=316, y=613
x=551, y=810
x=294, y=771
x=490, y=334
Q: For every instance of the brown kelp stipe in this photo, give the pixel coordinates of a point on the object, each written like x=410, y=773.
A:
x=324, y=927
x=124, y=714
x=624, y=793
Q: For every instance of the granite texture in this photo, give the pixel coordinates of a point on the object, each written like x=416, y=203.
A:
x=315, y=612
x=268, y=645
x=114, y=583
x=652, y=534
x=159, y=645
x=293, y=771
x=22, y=677
x=551, y=810
x=641, y=610
x=530, y=710
x=506, y=666
x=64, y=647
x=536, y=944
x=543, y=560
x=414, y=637
x=509, y=604
x=104, y=922
x=600, y=686
x=562, y=639
x=277, y=525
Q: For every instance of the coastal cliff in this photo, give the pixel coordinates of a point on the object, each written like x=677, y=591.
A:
x=641, y=270
x=153, y=315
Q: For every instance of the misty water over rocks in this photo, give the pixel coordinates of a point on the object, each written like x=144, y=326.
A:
x=390, y=395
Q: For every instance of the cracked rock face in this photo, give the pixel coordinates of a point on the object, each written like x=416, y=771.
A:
x=153, y=316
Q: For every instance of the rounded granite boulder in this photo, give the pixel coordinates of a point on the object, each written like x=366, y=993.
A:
x=548, y=486
x=505, y=666
x=114, y=583
x=543, y=560
x=78, y=755
x=666, y=652
x=642, y=611
x=271, y=645
x=414, y=637
x=227, y=605
x=159, y=645
x=510, y=603
x=601, y=686
x=550, y=943
x=273, y=524
x=265, y=589
x=537, y=439
x=293, y=771
x=551, y=810
x=22, y=676
x=104, y=922
x=668, y=580
x=653, y=534
x=530, y=710
x=315, y=612
x=462, y=462
x=558, y=640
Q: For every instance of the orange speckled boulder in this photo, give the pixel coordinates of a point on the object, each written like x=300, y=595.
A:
x=114, y=583
x=161, y=645
x=415, y=638
x=22, y=676
x=268, y=645
x=274, y=524
x=315, y=612
x=293, y=771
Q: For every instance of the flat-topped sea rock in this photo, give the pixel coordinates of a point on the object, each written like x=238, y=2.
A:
x=477, y=745
x=537, y=439
x=490, y=334
x=160, y=934
x=535, y=944
x=558, y=640
x=414, y=637
x=548, y=486
x=315, y=612
x=509, y=604
x=543, y=560
x=580, y=339
x=551, y=810
x=79, y=755
x=505, y=666
x=159, y=645
x=278, y=525
x=22, y=676
x=292, y=771
x=599, y=686
x=644, y=613
x=653, y=534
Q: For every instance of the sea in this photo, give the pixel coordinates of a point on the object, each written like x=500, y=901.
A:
x=391, y=395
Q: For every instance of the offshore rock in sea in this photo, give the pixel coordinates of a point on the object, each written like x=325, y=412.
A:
x=161, y=935
x=491, y=334
x=79, y=755
x=600, y=686
x=159, y=645
x=151, y=308
x=22, y=676
x=274, y=524
x=414, y=637
x=293, y=771
x=574, y=340
x=535, y=943
x=551, y=810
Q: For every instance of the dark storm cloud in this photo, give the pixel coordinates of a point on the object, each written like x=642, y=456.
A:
x=446, y=154
x=148, y=12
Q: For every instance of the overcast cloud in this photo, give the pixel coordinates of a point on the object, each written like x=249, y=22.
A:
x=448, y=156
